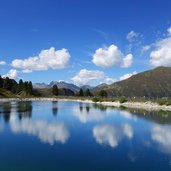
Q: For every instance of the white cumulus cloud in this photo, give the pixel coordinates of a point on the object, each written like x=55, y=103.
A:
x=161, y=54
x=108, y=80
x=127, y=61
x=169, y=30
x=128, y=75
x=46, y=59
x=26, y=71
x=13, y=74
x=85, y=76
x=110, y=56
x=2, y=63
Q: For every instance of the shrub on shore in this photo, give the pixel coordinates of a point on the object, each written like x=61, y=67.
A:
x=123, y=100
x=161, y=102
x=97, y=99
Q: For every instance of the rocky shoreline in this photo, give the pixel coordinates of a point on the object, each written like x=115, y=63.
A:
x=140, y=105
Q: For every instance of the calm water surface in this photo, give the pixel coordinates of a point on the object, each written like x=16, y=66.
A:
x=79, y=136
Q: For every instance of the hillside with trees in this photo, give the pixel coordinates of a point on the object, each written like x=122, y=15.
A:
x=150, y=84
x=11, y=88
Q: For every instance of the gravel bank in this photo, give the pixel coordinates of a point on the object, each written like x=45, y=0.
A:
x=143, y=105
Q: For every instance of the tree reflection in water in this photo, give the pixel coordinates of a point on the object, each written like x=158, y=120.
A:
x=158, y=116
x=55, y=108
x=83, y=107
x=5, y=111
x=103, y=108
x=24, y=109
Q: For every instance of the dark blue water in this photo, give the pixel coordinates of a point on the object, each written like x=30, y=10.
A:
x=51, y=136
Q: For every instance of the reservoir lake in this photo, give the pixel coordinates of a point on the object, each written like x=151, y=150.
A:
x=78, y=136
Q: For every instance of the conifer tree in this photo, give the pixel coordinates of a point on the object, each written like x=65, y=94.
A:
x=1, y=82
x=55, y=90
x=81, y=93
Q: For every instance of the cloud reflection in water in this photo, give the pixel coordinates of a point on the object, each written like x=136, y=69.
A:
x=162, y=135
x=112, y=135
x=47, y=132
x=89, y=115
x=127, y=115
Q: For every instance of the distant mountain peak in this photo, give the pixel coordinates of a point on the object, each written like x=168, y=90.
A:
x=40, y=85
x=85, y=87
x=63, y=84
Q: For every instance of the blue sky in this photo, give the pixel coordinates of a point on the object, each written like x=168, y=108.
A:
x=83, y=41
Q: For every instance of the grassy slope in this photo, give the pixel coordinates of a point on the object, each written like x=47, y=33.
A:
x=5, y=93
x=44, y=92
x=153, y=83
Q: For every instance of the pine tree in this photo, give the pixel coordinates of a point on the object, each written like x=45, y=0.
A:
x=20, y=85
x=55, y=90
x=14, y=86
x=30, y=87
x=25, y=87
x=7, y=84
x=88, y=93
x=81, y=93
x=103, y=93
x=1, y=82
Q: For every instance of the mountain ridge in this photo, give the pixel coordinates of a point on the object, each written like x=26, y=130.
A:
x=154, y=83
